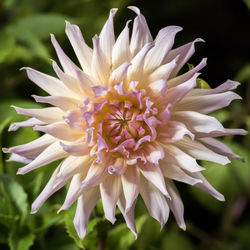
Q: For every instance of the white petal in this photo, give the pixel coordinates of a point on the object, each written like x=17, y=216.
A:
x=226, y=131
x=51, y=153
x=155, y=201
x=74, y=191
x=200, y=152
x=174, y=131
x=119, y=74
x=48, y=190
x=226, y=86
x=176, y=205
x=196, y=122
x=140, y=34
x=206, y=186
x=100, y=66
x=175, y=94
x=68, y=66
x=128, y=216
x=121, y=50
x=177, y=157
x=97, y=173
x=31, y=149
x=185, y=52
x=47, y=115
x=184, y=77
x=85, y=204
x=48, y=83
x=72, y=165
x=107, y=36
x=207, y=103
x=19, y=158
x=85, y=82
x=130, y=184
x=62, y=102
x=110, y=191
x=61, y=131
x=163, y=43
x=28, y=123
x=219, y=147
x=135, y=71
x=76, y=149
x=69, y=81
x=154, y=175
x=173, y=172
x=82, y=50
x=163, y=71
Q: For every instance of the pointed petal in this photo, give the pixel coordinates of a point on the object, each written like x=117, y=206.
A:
x=219, y=147
x=100, y=66
x=176, y=205
x=135, y=71
x=28, y=123
x=177, y=157
x=173, y=172
x=82, y=50
x=107, y=36
x=184, y=77
x=48, y=190
x=130, y=184
x=97, y=173
x=51, y=153
x=110, y=191
x=140, y=33
x=207, y=103
x=68, y=66
x=61, y=131
x=121, y=50
x=62, y=102
x=176, y=94
x=119, y=74
x=206, y=186
x=32, y=149
x=196, y=122
x=47, y=115
x=129, y=215
x=154, y=175
x=76, y=149
x=185, y=52
x=48, y=83
x=163, y=43
x=85, y=204
x=200, y=152
x=155, y=201
x=163, y=71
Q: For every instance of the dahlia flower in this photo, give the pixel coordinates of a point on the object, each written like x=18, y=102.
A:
x=125, y=124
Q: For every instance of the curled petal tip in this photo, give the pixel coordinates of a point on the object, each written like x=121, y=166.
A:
x=183, y=226
x=135, y=9
x=20, y=171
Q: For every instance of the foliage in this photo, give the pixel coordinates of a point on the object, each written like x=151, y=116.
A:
x=24, y=40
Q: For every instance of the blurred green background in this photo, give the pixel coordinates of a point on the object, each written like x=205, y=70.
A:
x=25, y=26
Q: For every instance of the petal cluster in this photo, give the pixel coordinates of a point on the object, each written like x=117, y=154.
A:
x=125, y=124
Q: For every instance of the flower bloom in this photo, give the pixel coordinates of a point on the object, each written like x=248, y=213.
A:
x=125, y=124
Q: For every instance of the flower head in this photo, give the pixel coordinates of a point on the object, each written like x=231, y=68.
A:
x=125, y=124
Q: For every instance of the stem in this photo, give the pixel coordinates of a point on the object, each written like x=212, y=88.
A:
x=102, y=242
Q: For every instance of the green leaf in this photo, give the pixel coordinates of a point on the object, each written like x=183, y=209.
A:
x=177, y=240
x=7, y=42
x=236, y=173
x=120, y=237
x=6, y=111
x=71, y=229
x=20, y=241
x=17, y=196
x=201, y=84
x=41, y=25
